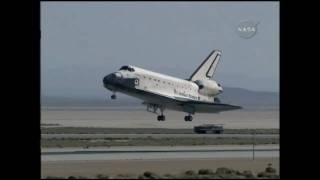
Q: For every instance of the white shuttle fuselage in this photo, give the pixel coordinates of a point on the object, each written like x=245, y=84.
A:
x=159, y=91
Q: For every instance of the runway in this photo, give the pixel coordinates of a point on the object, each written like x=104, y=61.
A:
x=139, y=118
x=95, y=136
x=149, y=153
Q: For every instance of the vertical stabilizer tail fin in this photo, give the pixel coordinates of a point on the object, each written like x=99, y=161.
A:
x=207, y=68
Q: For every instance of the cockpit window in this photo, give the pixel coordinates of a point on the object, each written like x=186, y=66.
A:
x=127, y=68
x=124, y=68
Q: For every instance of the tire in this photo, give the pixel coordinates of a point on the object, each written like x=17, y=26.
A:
x=161, y=118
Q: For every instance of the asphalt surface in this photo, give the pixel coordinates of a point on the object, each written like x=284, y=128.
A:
x=126, y=153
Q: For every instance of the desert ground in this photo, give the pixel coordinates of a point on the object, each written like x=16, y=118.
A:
x=162, y=166
x=137, y=119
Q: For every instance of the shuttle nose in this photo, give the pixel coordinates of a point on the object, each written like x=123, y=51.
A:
x=106, y=80
x=112, y=78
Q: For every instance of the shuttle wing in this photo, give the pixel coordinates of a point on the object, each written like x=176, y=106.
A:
x=210, y=107
x=187, y=105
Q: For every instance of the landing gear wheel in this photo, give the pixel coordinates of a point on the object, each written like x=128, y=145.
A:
x=113, y=96
x=161, y=118
x=188, y=118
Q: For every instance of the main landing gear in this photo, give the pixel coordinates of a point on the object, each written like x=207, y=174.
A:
x=153, y=108
x=188, y=118
x=113, y=96
x=161, y=118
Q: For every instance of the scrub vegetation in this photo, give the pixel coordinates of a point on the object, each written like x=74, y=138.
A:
x=219, y=173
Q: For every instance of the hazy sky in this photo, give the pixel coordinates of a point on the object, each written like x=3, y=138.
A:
x=81, y=42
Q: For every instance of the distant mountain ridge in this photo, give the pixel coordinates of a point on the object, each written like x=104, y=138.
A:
x=244, y=97
x=237, y=96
